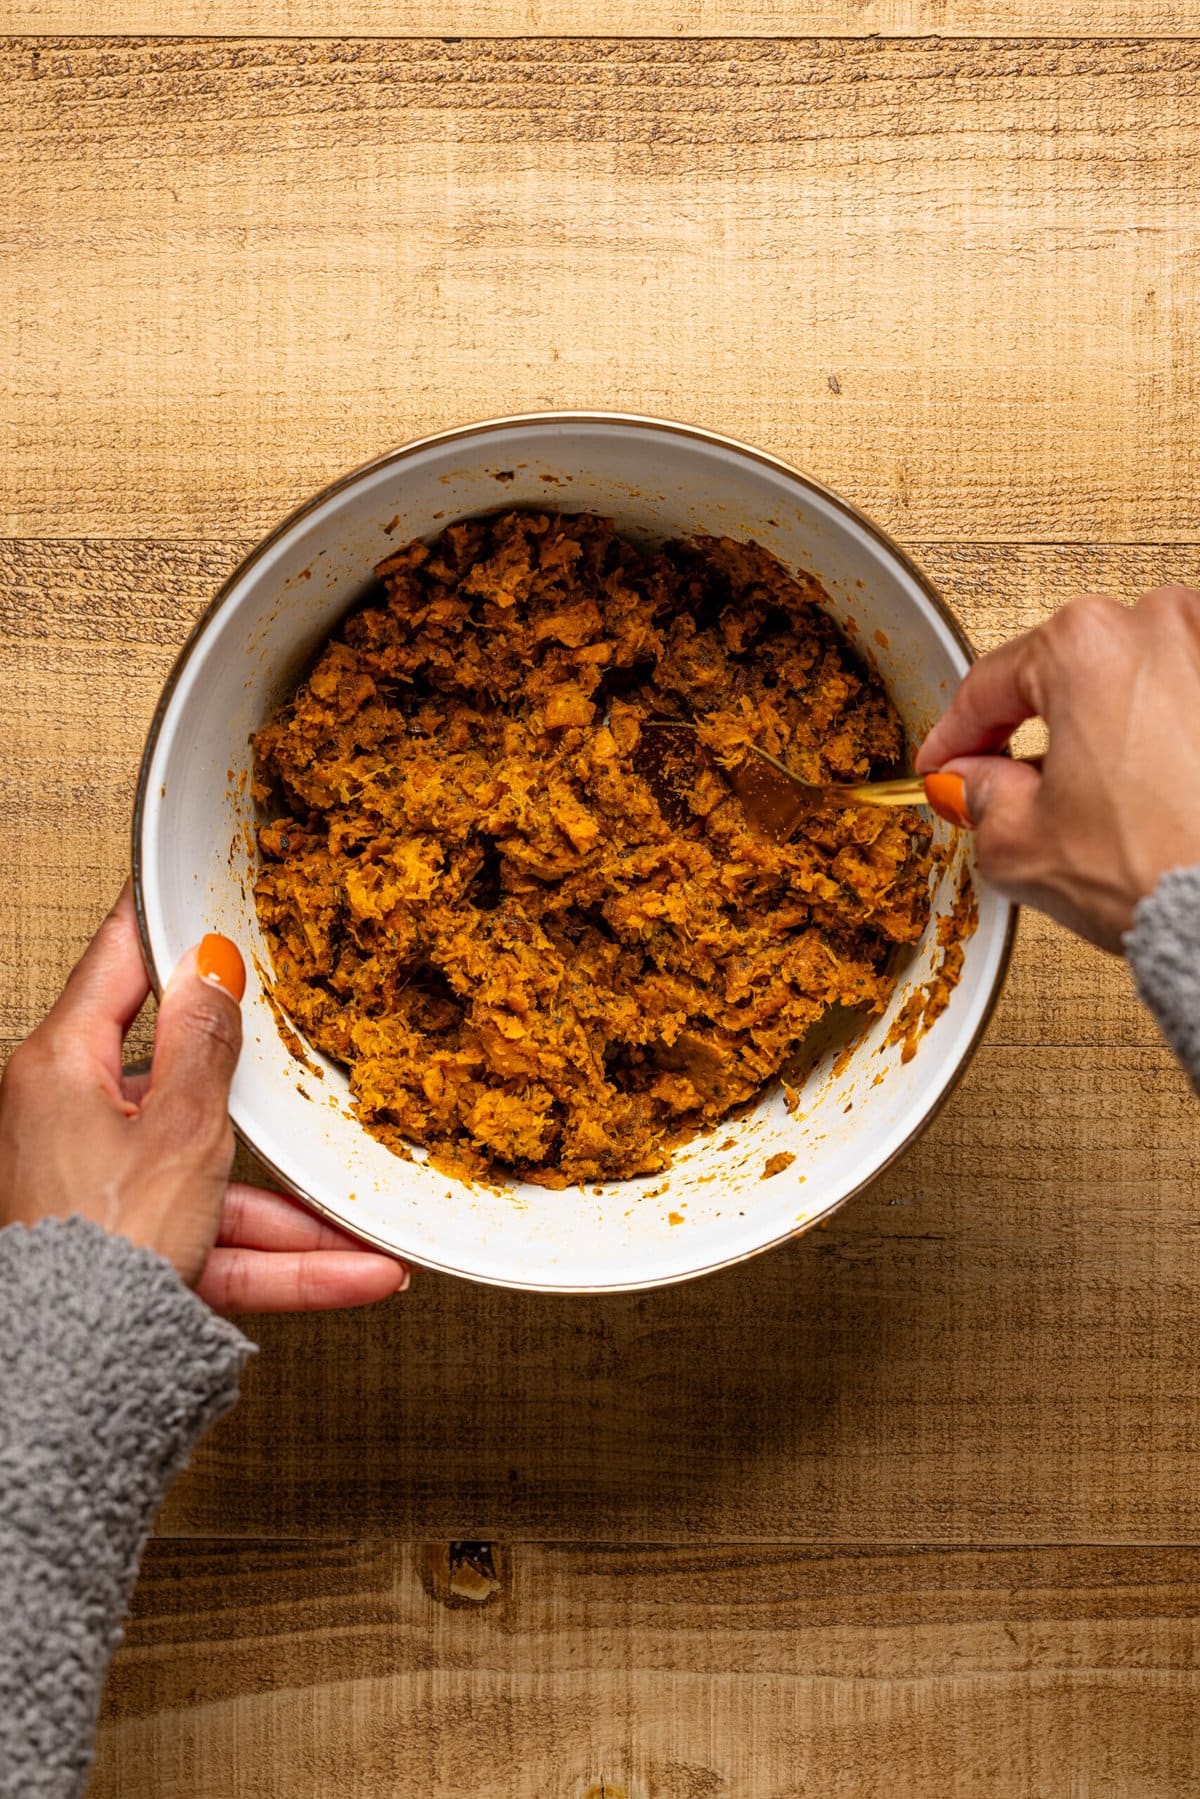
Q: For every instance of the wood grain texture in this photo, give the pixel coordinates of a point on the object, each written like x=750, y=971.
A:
x=89, y=630
x=270, y=260
x=998, y=1342
x=959, y=279
x=602, y=18
x=288, y=1672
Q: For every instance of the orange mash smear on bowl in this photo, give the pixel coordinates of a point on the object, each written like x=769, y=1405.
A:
x=476, y=902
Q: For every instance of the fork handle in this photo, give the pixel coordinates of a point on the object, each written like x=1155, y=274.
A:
x=944, y=794
x=910, y=791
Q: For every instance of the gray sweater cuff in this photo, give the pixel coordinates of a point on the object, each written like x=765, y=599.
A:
x=110, y=1368
x=1164, y=952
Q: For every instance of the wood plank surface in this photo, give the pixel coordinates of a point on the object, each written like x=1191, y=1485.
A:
x=602, y=18
x=996, y=1343
x=958, y=277
x=267, y=261
x=280, y=1671
x=88, y=632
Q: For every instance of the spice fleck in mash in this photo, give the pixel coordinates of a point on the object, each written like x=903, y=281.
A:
x=477, y=903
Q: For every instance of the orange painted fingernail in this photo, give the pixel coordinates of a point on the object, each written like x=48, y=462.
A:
x=947, y=794
x=220, y=961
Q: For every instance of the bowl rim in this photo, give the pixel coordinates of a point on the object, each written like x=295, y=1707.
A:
x=638, y=422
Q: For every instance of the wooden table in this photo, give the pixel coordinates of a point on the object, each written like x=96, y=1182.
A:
x=909, y=1507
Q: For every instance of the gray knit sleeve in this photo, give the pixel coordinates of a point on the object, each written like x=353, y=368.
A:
x=109, y=1370
x=1164, y=952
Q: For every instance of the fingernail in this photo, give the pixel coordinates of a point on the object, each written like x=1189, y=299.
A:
x=947, y=794
x=406, y=1281
x=220, y=961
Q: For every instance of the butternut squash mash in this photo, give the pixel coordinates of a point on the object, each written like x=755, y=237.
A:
x=478, y=904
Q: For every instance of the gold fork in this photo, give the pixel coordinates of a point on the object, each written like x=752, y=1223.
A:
x=775, y=799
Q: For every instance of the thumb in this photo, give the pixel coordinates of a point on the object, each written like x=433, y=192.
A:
x=196, y=1044
x=998, y=800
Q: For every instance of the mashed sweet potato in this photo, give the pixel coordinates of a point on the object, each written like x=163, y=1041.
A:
x=477, y=902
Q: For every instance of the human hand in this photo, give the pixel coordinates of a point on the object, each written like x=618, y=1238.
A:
x=1115, y=802
x=148, y=1156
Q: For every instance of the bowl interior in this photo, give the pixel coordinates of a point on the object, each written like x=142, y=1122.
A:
x=194, y=860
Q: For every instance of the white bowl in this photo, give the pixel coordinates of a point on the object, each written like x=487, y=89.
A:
x=193, y=855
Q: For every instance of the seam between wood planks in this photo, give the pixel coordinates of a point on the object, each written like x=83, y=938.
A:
x=612, y=37
x=653, y=1545
x=919, y=540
